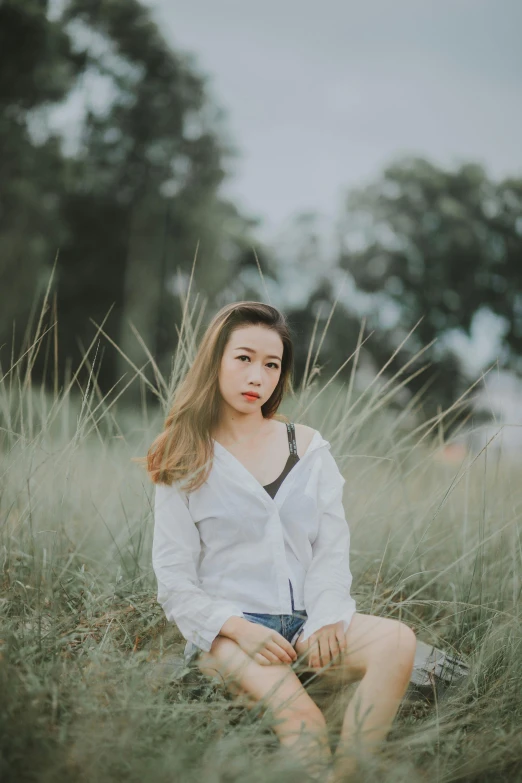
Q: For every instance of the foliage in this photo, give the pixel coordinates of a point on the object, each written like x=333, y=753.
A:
x=90, y=686
x=37, y=67
x=138, y=196
x=441, y=245
x=129, y=209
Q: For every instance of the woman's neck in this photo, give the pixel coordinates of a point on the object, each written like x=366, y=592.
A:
x=238, y=430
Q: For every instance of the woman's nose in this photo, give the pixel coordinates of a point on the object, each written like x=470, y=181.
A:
x=255, y=373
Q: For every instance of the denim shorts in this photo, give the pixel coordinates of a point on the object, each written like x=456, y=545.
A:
x=288, y=625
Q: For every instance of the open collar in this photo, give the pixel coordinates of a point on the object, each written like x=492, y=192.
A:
x=226, y=460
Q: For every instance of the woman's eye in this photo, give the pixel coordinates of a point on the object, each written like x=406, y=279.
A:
x=244, y=356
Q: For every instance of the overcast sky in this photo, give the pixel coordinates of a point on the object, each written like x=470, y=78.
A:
x=320, y=95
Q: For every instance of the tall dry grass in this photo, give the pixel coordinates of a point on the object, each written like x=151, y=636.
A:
x=89, y=687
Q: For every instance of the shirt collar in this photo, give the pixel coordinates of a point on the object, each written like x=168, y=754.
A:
x=225, y=458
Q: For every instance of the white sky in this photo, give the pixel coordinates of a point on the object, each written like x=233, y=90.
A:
x=320, y=96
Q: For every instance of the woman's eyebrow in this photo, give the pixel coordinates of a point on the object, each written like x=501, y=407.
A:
x=251, y=350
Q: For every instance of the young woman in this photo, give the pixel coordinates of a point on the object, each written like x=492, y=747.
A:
x=251, y=544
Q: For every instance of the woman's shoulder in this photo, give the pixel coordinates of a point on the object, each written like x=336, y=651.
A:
x=303, y=434
x=303, y=437
x=170, y=492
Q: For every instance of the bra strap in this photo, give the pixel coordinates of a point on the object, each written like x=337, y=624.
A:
x=290, y=428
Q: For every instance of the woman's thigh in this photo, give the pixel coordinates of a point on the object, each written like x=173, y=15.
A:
x=276, y=685
x=370, y=640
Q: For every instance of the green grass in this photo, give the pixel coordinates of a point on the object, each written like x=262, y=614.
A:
x=89, y=687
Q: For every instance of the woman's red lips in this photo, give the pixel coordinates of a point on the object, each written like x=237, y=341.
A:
x=250, y=394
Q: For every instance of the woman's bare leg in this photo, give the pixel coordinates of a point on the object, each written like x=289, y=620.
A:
x=300, y=724
x=380, y=654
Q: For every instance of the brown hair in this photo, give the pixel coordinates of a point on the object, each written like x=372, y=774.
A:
x=185, y=446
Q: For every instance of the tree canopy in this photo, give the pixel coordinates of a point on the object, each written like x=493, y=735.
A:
x=126, y=204
x=130, y=205
x=440, y=245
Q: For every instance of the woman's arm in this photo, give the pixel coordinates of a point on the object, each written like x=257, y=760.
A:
x=328, y=579
x=175, y=553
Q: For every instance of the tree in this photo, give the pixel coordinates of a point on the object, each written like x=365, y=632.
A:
x=146, y=185
x=129, y=206
x=440, y=245
x=37, y=68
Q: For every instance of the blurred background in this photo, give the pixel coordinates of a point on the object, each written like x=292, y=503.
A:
x=366, y=157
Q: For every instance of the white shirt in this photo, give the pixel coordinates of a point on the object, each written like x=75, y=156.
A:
x=228, y=547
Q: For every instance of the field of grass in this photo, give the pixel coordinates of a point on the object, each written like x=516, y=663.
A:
x=91, y=689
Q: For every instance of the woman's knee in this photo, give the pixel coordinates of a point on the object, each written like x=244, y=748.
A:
x=395, y=647
x=307, y=718
x=224, y=662
x=276, y=685
x=379, y=643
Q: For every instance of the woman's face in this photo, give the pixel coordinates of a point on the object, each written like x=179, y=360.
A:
x=251, y=362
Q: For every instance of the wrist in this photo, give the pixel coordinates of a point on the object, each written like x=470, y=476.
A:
x=232, y=627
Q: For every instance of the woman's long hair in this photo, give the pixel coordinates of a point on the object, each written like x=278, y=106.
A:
x=184, y=450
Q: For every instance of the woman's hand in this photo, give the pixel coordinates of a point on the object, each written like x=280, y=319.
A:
x=263, y=644
x=327, y=644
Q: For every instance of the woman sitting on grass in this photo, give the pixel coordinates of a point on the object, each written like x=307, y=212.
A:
x=251, y=545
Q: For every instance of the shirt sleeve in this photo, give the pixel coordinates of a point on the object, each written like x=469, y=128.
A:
x=175, y=554
x=328, y=579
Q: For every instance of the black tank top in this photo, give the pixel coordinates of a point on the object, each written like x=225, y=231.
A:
x=272, y=488
x=292, y=460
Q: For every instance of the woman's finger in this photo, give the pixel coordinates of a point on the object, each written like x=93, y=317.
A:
x=281, y=655
x=320, y=650
x=272, y=656
x=335, y=650
x=341, y=636
x=312, y=651
x=341, y=640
